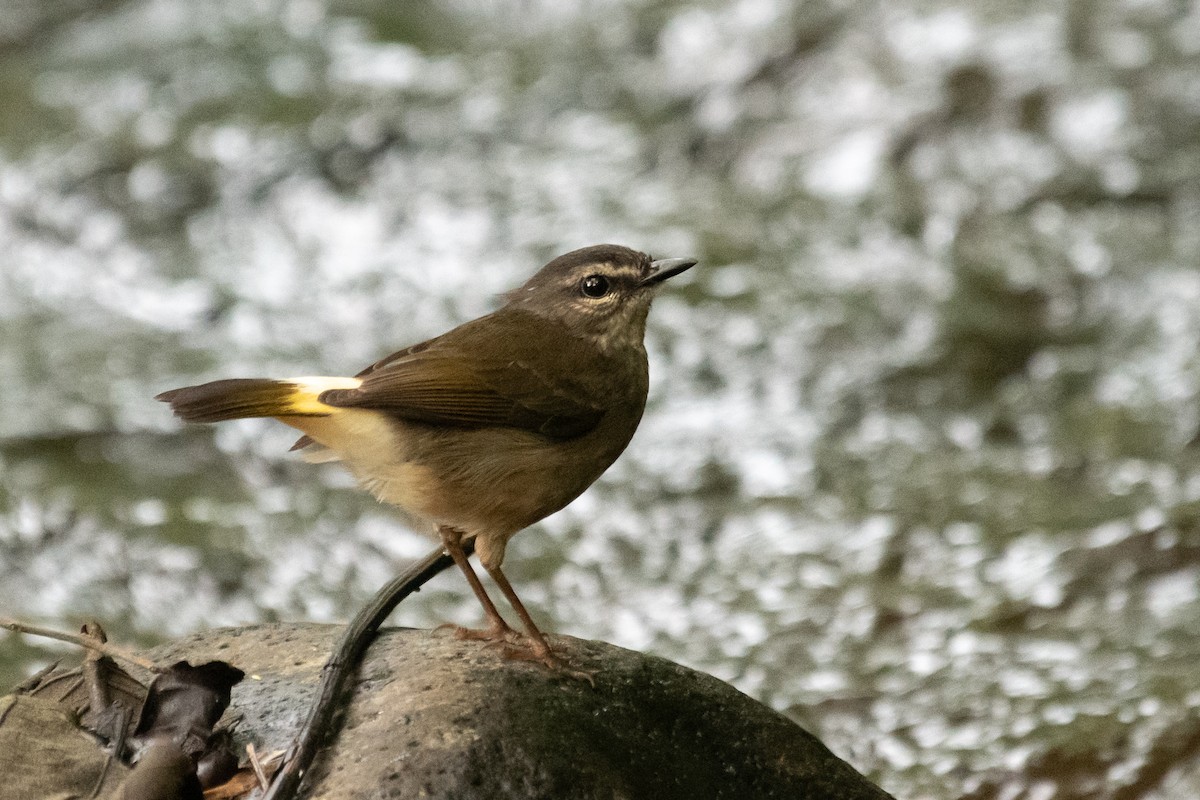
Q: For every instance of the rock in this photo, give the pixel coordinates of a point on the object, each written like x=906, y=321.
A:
x=435, y=717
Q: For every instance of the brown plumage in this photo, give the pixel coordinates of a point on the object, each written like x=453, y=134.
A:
x=490, y=427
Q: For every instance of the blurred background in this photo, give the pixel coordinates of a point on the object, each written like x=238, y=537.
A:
x=920, y=463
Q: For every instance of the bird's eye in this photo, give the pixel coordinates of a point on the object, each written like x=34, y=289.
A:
x=595, y=286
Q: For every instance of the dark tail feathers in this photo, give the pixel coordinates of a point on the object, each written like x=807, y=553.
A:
x=237, y=398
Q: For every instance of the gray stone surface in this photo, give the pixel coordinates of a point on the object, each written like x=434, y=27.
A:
x=435, y=717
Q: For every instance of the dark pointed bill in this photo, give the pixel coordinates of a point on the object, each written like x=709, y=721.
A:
x=667, y=268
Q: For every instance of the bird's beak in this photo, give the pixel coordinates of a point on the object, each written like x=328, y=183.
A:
x=666, y=268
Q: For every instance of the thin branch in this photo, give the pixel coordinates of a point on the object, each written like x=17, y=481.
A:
x=104, y=648
x=259, y=772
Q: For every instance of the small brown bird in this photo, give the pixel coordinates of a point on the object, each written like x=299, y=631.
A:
x=488, y=428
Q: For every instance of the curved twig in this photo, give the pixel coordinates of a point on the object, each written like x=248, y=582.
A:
x=341, y=665
x=83, y=640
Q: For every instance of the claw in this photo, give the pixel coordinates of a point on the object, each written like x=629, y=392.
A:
x=494, y=634
x=529, y=651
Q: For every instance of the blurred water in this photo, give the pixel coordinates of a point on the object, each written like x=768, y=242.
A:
x=919, y=467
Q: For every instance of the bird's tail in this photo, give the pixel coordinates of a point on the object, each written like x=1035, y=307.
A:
x=239, y=398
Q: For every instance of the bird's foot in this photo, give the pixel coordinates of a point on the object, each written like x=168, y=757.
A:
x=501, y=635
x=529, y=650
x=516, y=646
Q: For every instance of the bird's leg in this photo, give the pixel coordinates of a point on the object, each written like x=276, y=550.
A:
x=497, y=630
x=538, y=645
x=537, y=648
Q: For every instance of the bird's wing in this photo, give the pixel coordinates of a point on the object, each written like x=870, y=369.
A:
x=399, y=355
x=477, y=376
x=307, y=441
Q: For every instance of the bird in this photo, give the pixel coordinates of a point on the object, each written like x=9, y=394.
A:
x=488, y=428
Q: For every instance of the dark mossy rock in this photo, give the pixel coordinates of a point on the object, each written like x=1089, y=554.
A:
x=436, y=717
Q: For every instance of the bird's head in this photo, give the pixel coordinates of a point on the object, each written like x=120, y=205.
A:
x=602, y=292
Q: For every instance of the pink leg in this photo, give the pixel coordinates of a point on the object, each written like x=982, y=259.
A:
x=498, y=630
